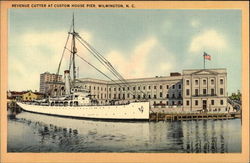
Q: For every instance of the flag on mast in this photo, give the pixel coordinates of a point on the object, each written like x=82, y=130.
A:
x=207, y=56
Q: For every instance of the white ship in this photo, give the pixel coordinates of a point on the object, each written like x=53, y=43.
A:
x=78, y=102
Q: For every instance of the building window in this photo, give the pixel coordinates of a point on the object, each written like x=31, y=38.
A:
x=167, y=86
x=196, y=102
x=212, y=81
x=114, y=89
x=172, y=102
x=187, y=82
x=187, y=102
x=187, y=92
x=204, y=91
x=196, y=82
x=179, y=95
x=94, y=88
x=109, y=89
x=212, y=92
x=173, y=95
x=123, y=96
x=221, y=102
x=154, y=87
x=173, y=86
x=89, y=87
x=128, y=88
x=149, y=96
x=167, y=103
x=144, y=88
x=149, y=87
x=134, y=88
x=204, y=82
x=139, y=96
x=97, y=88
x=139, y=88
x=160, y=94
x=133, y=96
x=123, y=89
x=179, y=86
x=154, y=96
x=221, y=81
x=128, y=95
x=160, y=86
x=196, y=92
x=114, y=95
x=119, y=89
x=221, y=91
x=212, y=102
x=167, y=95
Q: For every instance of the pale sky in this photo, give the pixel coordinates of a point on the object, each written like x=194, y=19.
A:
x=138, y=43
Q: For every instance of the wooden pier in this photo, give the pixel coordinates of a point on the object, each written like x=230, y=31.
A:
x=191, y=116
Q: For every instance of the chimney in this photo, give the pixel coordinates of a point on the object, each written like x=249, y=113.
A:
x=67, y=82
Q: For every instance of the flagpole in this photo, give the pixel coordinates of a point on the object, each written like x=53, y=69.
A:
x=204, y=60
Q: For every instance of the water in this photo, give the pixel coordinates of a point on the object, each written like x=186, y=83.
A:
x=30, y=132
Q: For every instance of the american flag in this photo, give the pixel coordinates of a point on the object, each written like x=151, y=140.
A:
x=207, y=56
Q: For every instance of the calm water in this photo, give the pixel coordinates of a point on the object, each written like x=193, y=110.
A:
x=30, y=132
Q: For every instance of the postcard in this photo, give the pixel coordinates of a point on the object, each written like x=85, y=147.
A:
x=124, y=81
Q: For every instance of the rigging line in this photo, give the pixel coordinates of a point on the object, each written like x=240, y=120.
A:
x=111, y=68
x=59, y=66
x=123, y=84
x=98, y=70
x=113, y=71
x=120, y=77
x=102, y=58
x=126, y=83
x=98, y=59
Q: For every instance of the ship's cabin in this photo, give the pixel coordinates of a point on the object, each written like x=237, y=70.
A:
x=77, y=97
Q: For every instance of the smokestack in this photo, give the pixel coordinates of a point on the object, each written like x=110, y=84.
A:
x=67, y=82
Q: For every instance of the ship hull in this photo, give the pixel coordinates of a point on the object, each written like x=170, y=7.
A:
x=132, y=111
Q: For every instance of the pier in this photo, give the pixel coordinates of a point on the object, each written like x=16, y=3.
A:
x=192, y=116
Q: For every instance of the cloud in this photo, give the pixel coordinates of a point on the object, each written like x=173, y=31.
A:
x=133, y=65
x=165, y=67
x=208, y=39
x=33, y=53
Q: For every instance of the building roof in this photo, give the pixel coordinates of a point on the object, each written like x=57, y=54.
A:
x=16, y=93
x=151, y=79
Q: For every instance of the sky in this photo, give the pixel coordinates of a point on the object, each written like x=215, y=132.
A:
x=138, y=43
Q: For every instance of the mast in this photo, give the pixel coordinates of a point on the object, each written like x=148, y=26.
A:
x=74, y=51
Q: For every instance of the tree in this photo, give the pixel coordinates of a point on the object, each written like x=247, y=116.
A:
x=236, y=96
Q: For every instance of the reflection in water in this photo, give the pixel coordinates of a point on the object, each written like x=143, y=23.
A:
x=30, y=132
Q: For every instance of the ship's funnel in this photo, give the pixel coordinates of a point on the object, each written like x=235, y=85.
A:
x=67, y=82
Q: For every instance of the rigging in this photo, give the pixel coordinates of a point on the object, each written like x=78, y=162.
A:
x=73, y=52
